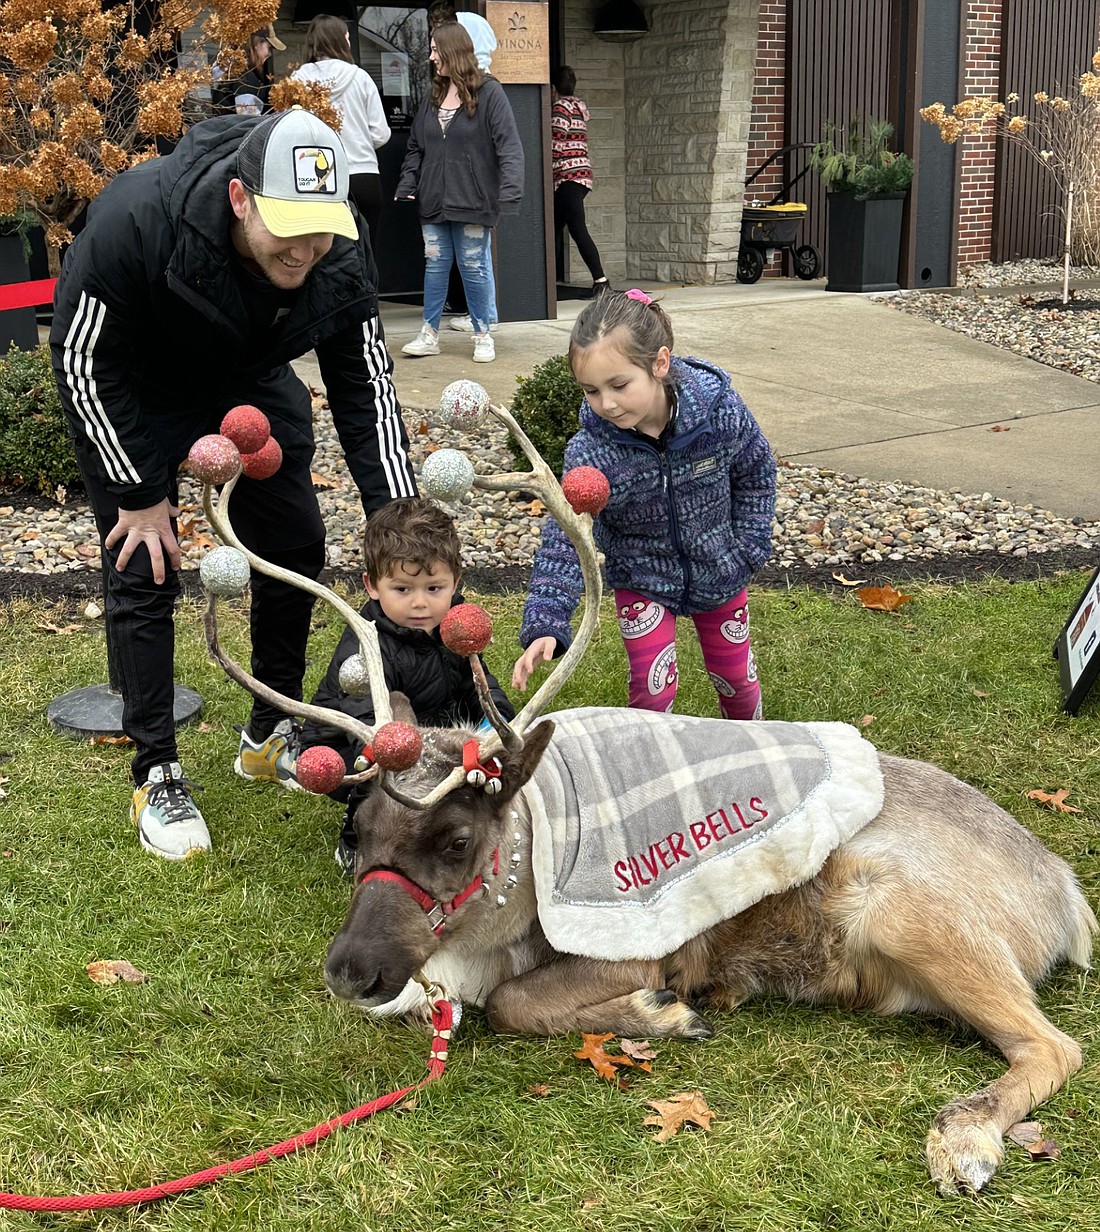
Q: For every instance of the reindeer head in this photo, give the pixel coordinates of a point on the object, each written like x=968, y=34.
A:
x=425, y=873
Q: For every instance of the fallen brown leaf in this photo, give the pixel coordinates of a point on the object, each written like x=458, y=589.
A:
x=538, y=1088
x=422, y=429
x=602, y=1062
x=1029, y=1135
x=1055, y=801
x=882, y=598
x=535, y=508
x=111, y=970
x=64, y=630
x=867, y=720
x=689, y=1107
x=845, y=581
x=323, y=482
x=1000, y=428
x=639, y=1050
x=816, y=526
x=109, y=740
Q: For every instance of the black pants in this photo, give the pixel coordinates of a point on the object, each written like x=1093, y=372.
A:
x=569, y=212
x=366, y=191
x=277, y=518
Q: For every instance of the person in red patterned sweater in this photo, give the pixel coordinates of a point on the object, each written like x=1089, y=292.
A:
x=572, y=172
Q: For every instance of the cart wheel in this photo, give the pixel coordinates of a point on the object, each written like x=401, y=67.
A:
x=750, y=264
x=807, y=262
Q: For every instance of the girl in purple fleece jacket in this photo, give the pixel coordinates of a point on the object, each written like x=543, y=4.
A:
x=690, y=514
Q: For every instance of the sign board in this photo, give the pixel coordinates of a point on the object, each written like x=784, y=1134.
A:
x=1078, y=647
x=523, y=41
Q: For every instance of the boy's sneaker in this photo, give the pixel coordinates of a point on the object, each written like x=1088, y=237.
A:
x=484, y=349
x=271, y=759
x=169, y=823
x=425, y=343
x=465, y=325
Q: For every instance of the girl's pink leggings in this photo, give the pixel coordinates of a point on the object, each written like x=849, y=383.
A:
x=649, y=632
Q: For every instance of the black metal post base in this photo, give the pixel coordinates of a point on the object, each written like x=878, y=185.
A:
x=96, y=710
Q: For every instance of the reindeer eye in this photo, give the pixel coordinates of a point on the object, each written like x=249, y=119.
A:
x=459, y=844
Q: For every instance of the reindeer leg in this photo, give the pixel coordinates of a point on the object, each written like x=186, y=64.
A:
x=965, y=1144
x=583, y=994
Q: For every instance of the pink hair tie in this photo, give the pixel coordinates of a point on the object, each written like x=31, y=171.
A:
x=640, y=296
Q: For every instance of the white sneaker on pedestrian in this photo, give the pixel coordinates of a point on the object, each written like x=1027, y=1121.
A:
x=425, y=343
x=485, y=350
x=465, y=325
x=168, y=821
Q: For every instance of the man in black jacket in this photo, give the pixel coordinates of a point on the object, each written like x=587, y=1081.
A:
x=197, y=279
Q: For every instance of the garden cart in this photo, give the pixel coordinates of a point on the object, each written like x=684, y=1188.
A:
x=775, y=225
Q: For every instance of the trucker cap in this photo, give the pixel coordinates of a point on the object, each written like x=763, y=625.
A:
x=296, y=167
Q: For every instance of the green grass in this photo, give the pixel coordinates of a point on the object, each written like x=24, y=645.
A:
x=233, y=1043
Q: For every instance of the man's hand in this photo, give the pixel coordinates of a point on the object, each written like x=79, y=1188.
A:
x=151, y=527
x=541, y=650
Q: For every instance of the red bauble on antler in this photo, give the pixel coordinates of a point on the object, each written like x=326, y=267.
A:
x=466, y=629
x=586, y=489
x=247, y=427
x=319, y=769
x=396, y=745
x=264, y=462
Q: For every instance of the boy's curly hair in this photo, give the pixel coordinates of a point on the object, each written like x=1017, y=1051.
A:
x=413, y=532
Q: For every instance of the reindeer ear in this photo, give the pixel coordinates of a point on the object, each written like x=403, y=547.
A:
x=517, y=768
x=402, y=708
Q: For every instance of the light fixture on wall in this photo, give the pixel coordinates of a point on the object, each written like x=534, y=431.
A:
x=619, y=21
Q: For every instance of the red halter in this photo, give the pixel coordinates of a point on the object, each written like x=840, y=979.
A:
x=436, y=911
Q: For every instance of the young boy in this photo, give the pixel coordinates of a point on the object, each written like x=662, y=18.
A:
x=413, y=564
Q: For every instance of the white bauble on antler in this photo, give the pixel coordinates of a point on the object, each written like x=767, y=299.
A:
x=225, y=572
x=463, y=404
x=355, y=676
x=447, y=474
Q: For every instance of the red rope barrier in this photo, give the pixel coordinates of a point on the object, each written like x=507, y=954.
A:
x=442, y=1017
x=26, y=294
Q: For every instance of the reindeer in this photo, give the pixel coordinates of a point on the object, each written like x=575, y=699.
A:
x=942, y=904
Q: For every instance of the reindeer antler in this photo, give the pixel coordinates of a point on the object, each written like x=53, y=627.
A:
x=447, y=475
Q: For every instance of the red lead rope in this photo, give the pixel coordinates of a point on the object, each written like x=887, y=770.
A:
x=442, y=1017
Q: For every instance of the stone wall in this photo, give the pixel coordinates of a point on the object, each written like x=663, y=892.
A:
x=668, y=138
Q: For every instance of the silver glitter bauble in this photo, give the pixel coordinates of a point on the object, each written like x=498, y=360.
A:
x=447, y=474
x=463, y=404
x=354, y=679
x=224, y=571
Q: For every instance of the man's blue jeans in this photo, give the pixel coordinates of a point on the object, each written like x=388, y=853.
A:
x=468, y=244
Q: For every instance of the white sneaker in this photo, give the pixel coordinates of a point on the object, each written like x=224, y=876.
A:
x=168, y=821
x=425, y=343
x=465, y=325
x=485, y=350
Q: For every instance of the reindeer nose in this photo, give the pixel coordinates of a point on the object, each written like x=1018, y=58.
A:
x=347, y=985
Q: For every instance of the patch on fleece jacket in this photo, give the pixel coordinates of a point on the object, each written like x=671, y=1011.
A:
x=649, y=828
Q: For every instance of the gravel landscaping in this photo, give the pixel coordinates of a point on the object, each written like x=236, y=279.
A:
x=826, y=523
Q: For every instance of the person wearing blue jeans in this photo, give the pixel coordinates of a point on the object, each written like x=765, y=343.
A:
x=463, y=166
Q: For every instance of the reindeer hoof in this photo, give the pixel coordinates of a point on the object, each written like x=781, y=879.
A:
x=669, y=1016
x=962, y=1158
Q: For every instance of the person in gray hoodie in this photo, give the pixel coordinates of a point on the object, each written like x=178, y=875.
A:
x=353, y=93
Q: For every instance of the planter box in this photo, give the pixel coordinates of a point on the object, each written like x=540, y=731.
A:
x=864, y=242
x=17, y=325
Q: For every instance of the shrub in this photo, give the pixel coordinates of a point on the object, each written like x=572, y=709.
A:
x=35, y=448
x=546, y=405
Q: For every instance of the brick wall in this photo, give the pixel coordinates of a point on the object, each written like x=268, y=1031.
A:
x=977, y=154
x=767, y=129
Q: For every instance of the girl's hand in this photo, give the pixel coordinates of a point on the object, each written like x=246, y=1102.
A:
x=541, y=650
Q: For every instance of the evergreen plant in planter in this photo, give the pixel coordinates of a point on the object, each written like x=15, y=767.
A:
x=866, y=183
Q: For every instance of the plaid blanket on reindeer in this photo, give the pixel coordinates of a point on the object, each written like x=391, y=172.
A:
x=683, y=822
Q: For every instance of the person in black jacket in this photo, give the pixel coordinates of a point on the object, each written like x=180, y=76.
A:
x=413, y=565
x=463, y=165
x=198, y=277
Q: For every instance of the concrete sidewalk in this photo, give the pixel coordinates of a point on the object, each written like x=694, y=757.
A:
x=838, y=382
